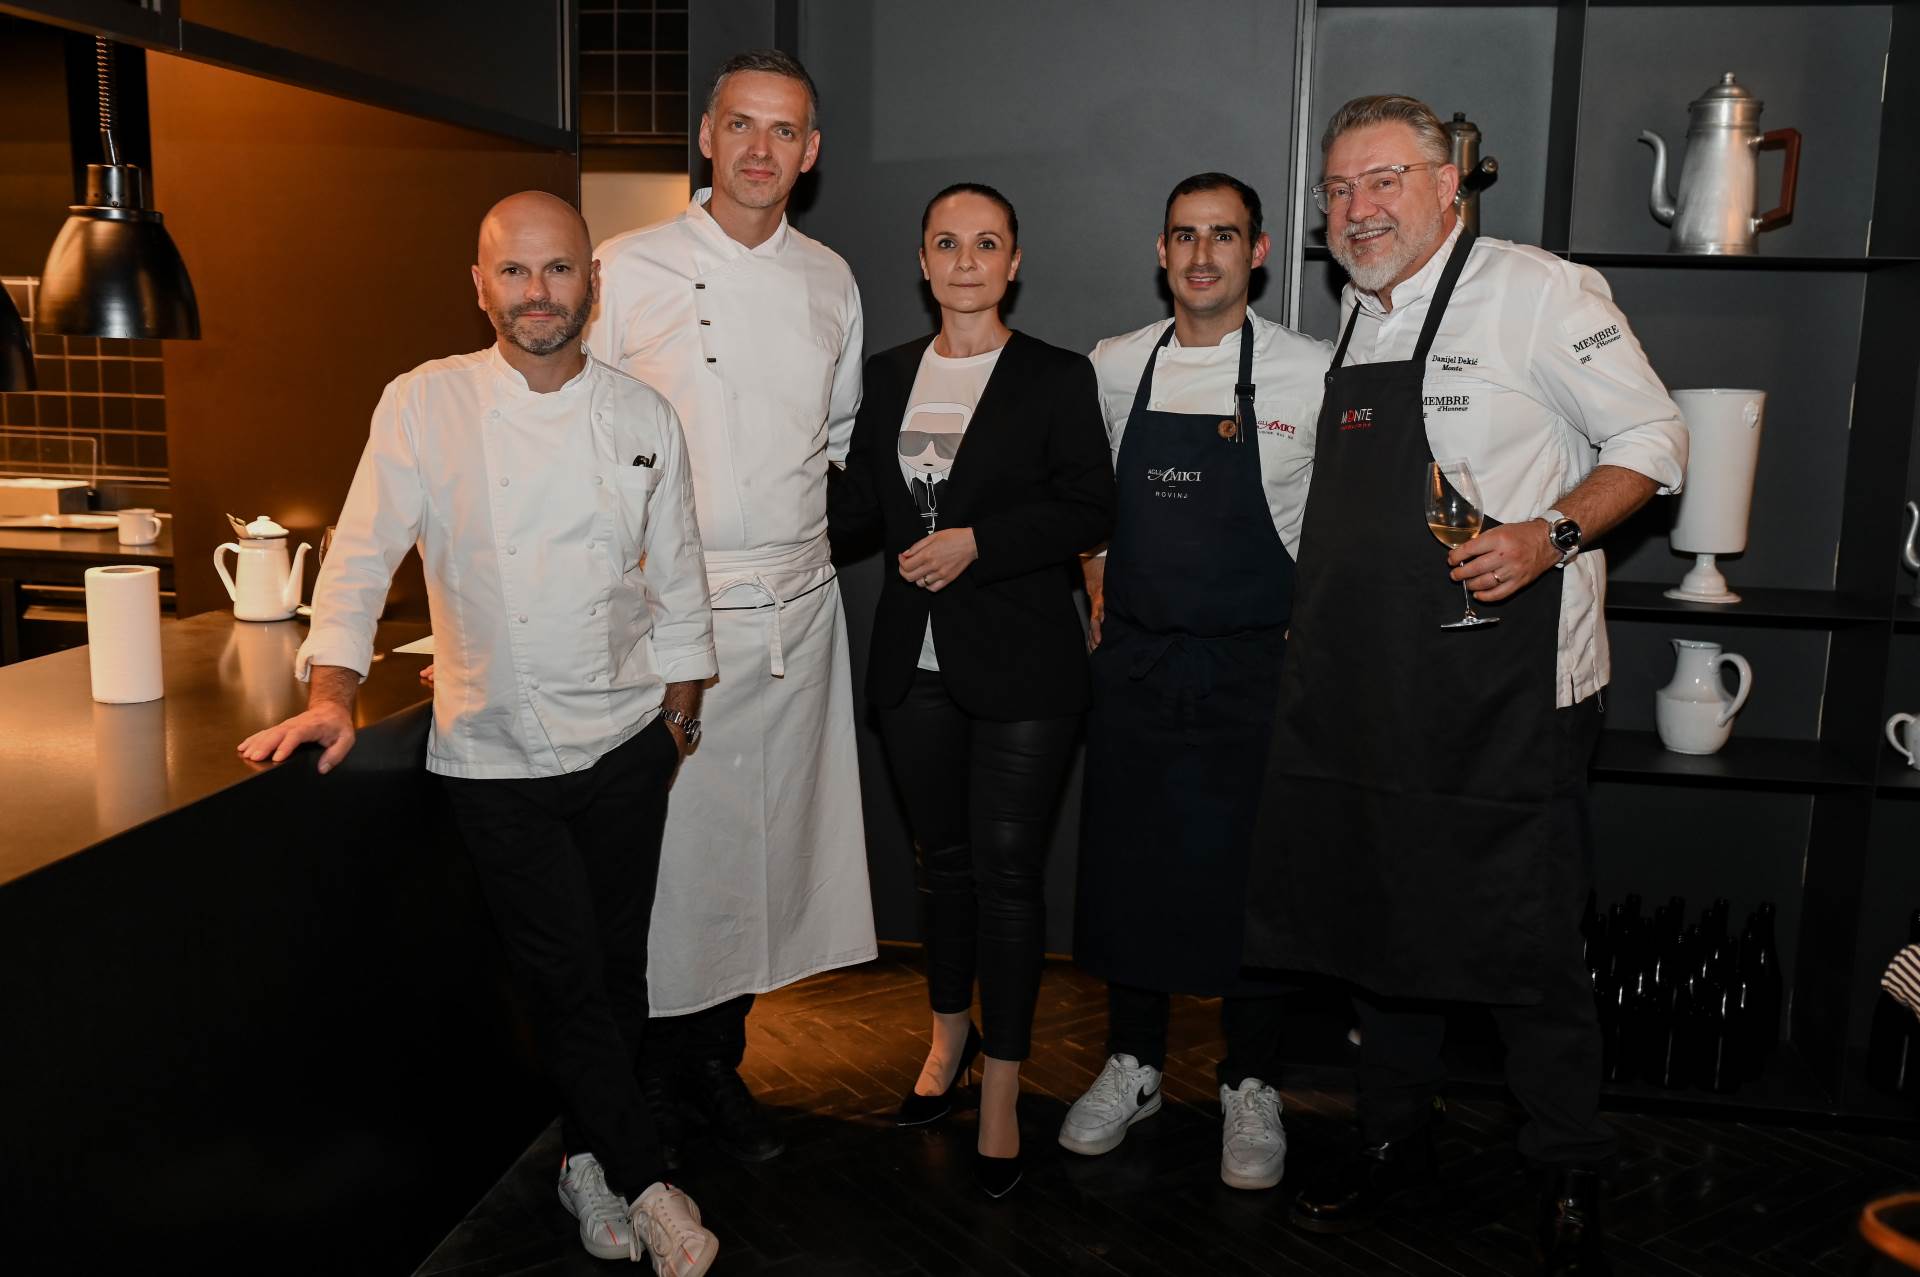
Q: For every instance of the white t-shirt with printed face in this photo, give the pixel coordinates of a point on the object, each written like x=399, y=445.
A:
x=939, y=407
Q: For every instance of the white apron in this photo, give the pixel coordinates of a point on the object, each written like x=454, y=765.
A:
x=764, y=876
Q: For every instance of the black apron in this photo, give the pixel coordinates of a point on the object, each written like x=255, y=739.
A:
x=1404, y=839
x=1198, y=592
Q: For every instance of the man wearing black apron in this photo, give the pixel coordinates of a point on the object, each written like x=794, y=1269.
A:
x=1210, y=418
x=1423, y=831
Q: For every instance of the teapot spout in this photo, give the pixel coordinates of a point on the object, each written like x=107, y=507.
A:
x=290, y=592
x=1658, y=201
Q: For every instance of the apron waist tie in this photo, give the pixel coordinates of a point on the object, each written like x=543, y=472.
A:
x=1198, y=678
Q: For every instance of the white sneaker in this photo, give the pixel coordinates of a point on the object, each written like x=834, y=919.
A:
x=1125, y=1092
x=1253, y=1144
x=666, y=1229
x=604, y=1227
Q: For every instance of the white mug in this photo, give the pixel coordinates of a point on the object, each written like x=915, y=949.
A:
x=1910, y=748
x=139, y=527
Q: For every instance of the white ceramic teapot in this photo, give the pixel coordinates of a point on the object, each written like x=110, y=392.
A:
x=1694, y=713
x=265, y=584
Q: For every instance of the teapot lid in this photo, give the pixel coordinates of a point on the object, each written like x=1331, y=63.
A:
x=1727, y=90
x=262, y=528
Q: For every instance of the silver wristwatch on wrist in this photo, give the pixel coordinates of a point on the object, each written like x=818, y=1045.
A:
x=689, y=727
x=1564, y=535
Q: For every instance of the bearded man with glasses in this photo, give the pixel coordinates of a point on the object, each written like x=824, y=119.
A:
x=1423, y=831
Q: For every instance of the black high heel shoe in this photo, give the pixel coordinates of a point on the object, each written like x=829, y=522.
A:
x=919, y=1110
x=996, y=1176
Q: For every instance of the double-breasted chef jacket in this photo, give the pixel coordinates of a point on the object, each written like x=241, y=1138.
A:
x=1419, y=832
x=565, y=582
x=763, y=874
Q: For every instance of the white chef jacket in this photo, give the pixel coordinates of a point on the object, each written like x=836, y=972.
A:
x=565, y=582
x=1289, y=377
x=712, y=325
x=763, y=870
x=1535, y=378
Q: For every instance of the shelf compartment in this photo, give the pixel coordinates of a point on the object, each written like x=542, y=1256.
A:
x=1817, y=608
x=1696, y=261
x=1752, y=761
x=1906, y=619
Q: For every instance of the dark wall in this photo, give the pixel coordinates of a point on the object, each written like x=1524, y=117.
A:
x=329, y=244
x=1085, y=118
x=36, y=182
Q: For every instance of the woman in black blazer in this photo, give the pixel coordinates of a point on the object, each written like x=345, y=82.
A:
x=978, y=664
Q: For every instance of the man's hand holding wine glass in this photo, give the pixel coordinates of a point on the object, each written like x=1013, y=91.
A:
x=1502, y=561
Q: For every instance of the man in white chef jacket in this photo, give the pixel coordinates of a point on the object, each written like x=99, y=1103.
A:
x=752, y=331
x=550, y=500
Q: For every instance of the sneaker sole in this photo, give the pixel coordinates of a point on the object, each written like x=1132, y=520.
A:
x=1106, y=1144
x=599, y=1250
x=1234, y=1179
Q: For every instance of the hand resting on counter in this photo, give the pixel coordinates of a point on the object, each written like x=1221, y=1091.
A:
x=326, y=722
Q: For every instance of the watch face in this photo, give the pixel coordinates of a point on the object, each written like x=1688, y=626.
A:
x=1566, y=534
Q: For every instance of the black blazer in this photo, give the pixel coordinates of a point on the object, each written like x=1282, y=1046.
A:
x=1034, y=480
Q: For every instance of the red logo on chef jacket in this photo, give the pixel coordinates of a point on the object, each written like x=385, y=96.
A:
x=1277, y=428
x=1357, y=419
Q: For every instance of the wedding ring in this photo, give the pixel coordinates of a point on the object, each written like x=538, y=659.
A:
x=1497, y=578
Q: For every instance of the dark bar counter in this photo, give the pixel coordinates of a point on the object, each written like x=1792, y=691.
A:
x=245, y=1011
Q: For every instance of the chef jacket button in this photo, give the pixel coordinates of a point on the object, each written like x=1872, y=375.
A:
x=534, y=684
x=599, y=481
x=593, y=545
x=522, y=618
x=593, y=611
x=599, y=416
x=504, y=481
x=494, y=415
x=593, y=678
x=712, y=360
x=512, y=550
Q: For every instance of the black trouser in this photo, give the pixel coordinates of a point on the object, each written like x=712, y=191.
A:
x=1137, y=1026
x=568, y=865
x=980, y=799
x=678, y=1042
x=1553, y=1048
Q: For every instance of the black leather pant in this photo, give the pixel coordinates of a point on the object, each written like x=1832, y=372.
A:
x=980, y=799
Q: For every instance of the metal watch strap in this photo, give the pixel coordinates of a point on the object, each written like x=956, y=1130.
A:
x=691, y=726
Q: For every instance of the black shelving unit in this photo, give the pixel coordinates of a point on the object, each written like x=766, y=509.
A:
x=1597, y=74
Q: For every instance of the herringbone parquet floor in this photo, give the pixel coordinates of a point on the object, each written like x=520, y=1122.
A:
x=855, y=1197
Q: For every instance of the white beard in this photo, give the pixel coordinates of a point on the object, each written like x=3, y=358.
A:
x=1376, y=273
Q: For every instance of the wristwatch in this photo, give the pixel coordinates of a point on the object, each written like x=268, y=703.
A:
x=690, y=727
x=1564, y=533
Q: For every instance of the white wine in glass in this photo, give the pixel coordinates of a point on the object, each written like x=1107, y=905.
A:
x=1453, y=516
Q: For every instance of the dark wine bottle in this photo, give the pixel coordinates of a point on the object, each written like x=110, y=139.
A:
x=1668, y=1044
x=1723, y=1029
x=1760, y=968
x=1893, y=1046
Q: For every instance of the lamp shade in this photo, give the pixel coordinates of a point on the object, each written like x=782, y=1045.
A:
x=16, y=357
x=113, y=270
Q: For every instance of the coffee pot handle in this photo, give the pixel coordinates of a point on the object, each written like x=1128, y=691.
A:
x=1894, y=725
x=233, y=591
x=1789, y=141
x=1740, y=693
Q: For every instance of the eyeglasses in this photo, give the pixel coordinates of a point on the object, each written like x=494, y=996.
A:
x=1382, y=185
x=946, y=444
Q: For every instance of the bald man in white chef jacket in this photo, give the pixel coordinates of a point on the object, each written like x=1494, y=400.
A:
x=752, y=331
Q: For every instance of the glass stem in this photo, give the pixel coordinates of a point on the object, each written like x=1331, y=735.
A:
x=1468, y=595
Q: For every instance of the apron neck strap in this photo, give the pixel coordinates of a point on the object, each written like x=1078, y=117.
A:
x=1436, y=310
x=1242, y=386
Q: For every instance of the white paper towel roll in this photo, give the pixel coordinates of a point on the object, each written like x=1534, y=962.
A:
x=123, y=634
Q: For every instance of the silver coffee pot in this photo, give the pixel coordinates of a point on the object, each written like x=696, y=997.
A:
x=1477, y=172
x=1714, y=212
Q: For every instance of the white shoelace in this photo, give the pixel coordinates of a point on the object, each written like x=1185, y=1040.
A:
x=599, y=1204
x=668, y=1230
x=1254, y=1116
x=1110, y=1089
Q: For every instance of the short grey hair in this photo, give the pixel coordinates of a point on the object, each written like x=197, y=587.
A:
x=1391, y=108
x=773, y=62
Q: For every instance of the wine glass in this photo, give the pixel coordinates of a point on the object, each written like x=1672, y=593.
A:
x=1453, y=516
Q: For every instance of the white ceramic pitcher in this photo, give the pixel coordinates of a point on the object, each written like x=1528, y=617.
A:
x=1694, y=713
x=265, y=584
x=1906, y=725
